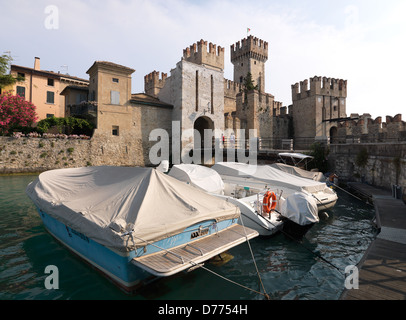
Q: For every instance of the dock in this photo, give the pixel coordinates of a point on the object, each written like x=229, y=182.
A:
x=382, y=270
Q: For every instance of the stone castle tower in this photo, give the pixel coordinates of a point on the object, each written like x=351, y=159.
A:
x=250, y=55
x=317, y=110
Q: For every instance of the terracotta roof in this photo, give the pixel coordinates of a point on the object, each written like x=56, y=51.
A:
x=145, y=99
x=111, y=64
x=46, y=73
x=82, y=88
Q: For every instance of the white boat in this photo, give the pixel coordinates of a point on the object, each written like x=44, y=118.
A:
x=135, y=224
x=298, y=208
x=264, y=175
x=312, y=175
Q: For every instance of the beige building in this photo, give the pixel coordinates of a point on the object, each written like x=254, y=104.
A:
x=44, y=88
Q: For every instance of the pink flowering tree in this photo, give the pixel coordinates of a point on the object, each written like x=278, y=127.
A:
x=15, y=112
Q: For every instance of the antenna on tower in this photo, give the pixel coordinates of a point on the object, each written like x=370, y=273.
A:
x=65, y=68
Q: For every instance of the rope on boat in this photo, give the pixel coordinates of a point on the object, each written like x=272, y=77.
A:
x=130, y=233
x=352, y=195
x=317, y=255
x=253, y=259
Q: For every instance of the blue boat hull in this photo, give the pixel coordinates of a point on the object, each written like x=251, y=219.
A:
x=117, y=265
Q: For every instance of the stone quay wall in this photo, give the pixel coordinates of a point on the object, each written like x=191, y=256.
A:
x=384, y=167
x=31, y=155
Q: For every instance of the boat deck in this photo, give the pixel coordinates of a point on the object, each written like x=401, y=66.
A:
x=169, y=262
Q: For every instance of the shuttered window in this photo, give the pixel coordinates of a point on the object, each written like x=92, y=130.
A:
x=21, y=91
x=50, y=97
x=115, y=97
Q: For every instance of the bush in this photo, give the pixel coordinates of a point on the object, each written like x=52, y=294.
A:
x=15, y=112
x=71, y=125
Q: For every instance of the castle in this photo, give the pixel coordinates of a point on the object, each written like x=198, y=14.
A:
x=195, y=96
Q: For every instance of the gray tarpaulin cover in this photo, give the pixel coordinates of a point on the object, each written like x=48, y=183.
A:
x=101, y=202
x=200, y=176
x=316, y=176
x=272, y=176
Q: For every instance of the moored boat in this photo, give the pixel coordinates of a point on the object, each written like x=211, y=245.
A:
x=135, y=224
x=265, y=175
x=262, y=208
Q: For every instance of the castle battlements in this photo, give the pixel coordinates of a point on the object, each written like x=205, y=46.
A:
x=197, y=53
x=366, y=129
x=319, y=86
x=250, y=47
x=231, y=88
x=153, y=84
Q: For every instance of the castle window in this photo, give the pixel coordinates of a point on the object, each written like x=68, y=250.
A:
x=114, y=130
x=114, y=97
x=115, y=80
x=241, y=79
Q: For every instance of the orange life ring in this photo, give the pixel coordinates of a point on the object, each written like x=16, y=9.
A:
x=267, y=206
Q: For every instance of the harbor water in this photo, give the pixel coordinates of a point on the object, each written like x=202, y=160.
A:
x=312, y=269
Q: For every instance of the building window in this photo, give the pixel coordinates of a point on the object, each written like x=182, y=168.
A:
x=21, y=91
x=114, y=131
x=50, y=97
x=21, y=75
x=50, y=115
x=51, y=82
x=115, y=80
x=114, y=97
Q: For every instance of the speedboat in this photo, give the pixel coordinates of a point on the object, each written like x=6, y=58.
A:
x=262, y=208
x=135, y=224
x=288, y=184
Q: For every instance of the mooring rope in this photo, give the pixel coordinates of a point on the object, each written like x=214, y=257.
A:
x=130, y=233
x=236, y=283
x=255, y=264
x=317, y=255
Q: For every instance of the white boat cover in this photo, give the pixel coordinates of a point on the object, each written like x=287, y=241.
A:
x=273, y=177
x=199, y=176
x=102, y=202
x=300, y=208
x=316, y=176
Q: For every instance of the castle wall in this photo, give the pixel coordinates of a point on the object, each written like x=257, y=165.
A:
x=195, y=91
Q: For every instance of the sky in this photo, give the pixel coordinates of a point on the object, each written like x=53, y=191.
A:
x=361, y=41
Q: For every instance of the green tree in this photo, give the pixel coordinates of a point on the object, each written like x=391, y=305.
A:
x=6, y=79
x=319, y=152
x=248, y=83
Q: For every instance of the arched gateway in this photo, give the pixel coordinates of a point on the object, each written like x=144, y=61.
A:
x=200, y=125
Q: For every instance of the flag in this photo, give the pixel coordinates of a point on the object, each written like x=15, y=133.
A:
x=248, y=30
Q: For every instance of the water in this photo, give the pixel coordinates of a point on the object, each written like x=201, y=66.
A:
x=289, y=270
